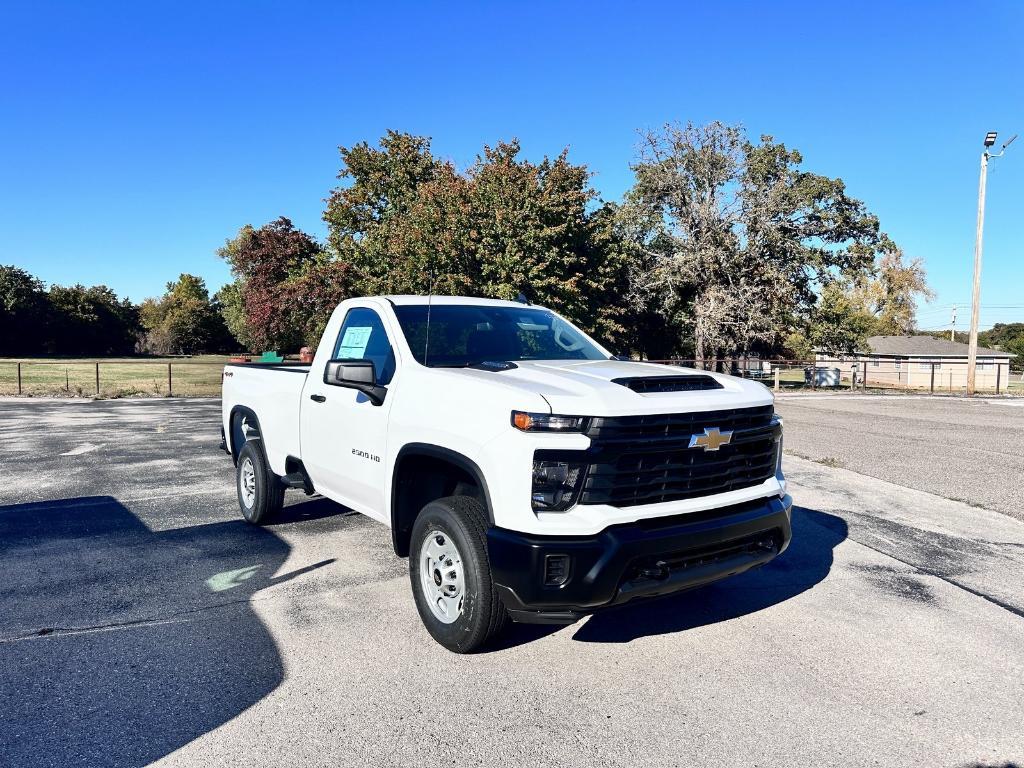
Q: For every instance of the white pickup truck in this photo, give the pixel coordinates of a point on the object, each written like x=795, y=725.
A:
x=524, y=470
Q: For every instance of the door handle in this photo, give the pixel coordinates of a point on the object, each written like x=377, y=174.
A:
x=317, y=398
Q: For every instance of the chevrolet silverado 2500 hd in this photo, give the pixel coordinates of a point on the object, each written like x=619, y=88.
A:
x=525, y=472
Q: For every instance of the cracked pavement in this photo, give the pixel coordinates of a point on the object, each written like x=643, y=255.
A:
x=142, y=622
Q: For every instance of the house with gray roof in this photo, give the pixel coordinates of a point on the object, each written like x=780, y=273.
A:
x=925, y=362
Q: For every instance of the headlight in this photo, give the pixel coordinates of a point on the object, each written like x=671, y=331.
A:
x=555, y=484
x=546, y=422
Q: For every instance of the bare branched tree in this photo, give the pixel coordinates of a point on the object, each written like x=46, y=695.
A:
x=732, y=241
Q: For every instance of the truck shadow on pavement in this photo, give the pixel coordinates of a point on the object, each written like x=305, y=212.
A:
x=120, y=644
x=805, y=563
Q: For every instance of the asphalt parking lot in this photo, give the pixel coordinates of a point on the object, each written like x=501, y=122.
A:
x=970, y=450
x=142, y=621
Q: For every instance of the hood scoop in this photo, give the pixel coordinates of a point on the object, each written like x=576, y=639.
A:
x=493, y=365
x=648, y=384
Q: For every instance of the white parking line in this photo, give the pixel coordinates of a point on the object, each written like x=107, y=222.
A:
x=83, y=448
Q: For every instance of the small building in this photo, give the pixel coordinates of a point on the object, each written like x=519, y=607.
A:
x=923, y=362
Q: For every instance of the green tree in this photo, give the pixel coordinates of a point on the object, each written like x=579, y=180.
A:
x=385, y=191
x=1008, y=337
x=879, y=301
x=409, y=223
x=890, y=293
x=606, y=281
x=1001, y=334
x=91, y=322
x=797, y=346
x=229, y=303
x=839, y=324
x=184, y=320
x=24, y=310
x=530, y=229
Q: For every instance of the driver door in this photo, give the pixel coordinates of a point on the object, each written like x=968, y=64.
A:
x=344, y=434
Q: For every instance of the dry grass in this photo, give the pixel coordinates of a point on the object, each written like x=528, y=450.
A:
x=118, y=377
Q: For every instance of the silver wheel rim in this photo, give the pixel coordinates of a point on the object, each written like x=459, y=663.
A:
x=441, y=576
x=247, y=483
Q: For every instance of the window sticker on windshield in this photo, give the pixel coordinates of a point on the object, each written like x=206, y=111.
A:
x=353, y=343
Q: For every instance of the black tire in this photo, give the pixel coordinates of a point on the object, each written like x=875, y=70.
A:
x=268, y=493
x=482, y=616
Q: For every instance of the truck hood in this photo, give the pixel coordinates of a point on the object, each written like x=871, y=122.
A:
x=586, y=387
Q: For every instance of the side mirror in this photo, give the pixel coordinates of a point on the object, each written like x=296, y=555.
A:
x=360, y=375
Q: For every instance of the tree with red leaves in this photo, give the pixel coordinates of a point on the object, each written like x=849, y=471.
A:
x=268, y=262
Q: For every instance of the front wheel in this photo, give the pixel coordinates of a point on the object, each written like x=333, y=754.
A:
x=451, y=575
x=260, y=493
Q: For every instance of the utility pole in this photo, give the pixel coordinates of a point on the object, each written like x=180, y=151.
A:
x=972, y=351
x=952, y=325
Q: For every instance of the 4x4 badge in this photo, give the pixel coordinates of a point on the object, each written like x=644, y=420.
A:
x=711, y=440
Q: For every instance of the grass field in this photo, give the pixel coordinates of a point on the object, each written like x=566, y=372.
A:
x=118, y=377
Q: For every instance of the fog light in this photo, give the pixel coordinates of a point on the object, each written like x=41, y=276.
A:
x=556, y=570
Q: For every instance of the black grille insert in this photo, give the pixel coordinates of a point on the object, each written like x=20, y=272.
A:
x=647, y=459
x=645, y=384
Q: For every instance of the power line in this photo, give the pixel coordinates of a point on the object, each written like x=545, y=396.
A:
x=946, y=307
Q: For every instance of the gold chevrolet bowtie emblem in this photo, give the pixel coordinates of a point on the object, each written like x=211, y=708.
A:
x=711, y=440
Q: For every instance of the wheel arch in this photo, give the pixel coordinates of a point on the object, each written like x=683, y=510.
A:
x=407, y=500
x=235, y=431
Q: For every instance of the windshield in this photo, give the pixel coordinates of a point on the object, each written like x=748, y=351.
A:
x=462, y=335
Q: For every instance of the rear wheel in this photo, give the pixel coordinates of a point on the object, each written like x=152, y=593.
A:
x=451, y=575
x=260, y=493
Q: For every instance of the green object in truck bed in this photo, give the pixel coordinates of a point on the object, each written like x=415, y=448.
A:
x=270, y=357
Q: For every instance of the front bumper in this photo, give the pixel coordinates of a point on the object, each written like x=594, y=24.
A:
x=647, y=558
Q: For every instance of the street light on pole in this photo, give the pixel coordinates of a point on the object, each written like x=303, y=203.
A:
x=972, y=351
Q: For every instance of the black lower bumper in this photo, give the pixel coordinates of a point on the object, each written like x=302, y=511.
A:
x=559, y=579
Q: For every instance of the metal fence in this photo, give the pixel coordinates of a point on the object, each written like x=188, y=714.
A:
x=126, y=378
x=110, y=378
x=867, y=375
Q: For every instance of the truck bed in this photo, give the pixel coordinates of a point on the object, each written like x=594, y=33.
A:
x=274, y=391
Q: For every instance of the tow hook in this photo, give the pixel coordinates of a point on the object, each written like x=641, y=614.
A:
x=657, y=571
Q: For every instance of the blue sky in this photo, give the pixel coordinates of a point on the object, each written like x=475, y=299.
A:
x=135, y=138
